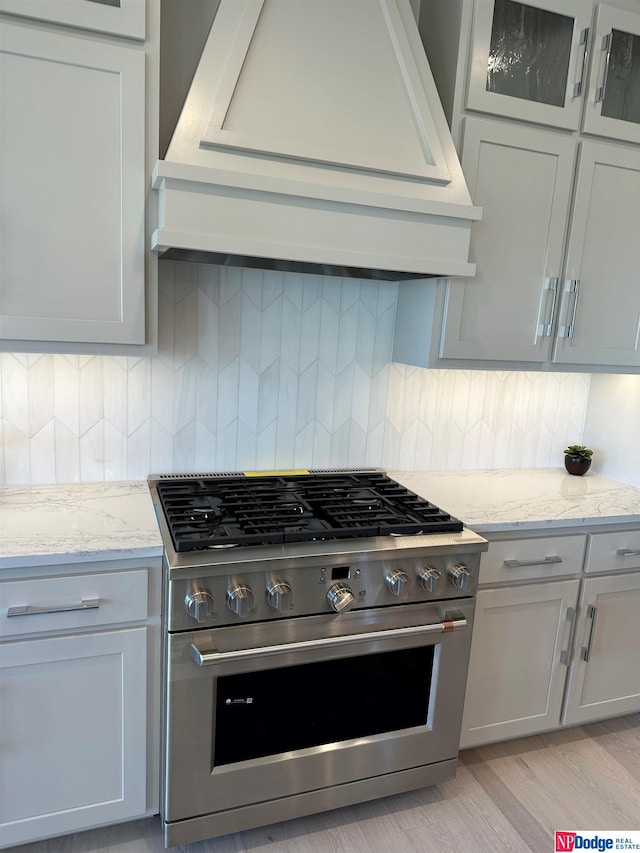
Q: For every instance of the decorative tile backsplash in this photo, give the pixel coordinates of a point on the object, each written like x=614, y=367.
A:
x=259, y=370
x=612, y=426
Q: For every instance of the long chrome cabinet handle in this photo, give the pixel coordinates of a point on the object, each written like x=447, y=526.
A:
x=584, y=39
x=544, y=329
x=565, y=654
x=545, y=561
x=606, y=46
x=627, y=552
x=574, y=288
x=36, y=610
x=213, y=656
x=585, y=652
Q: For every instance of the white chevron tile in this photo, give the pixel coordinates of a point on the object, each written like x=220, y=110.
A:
x=209, y=282
x=332, y=292
x=287, y=393
x=229, y=330
x=268, y=396
x=115, y=453
x=347, y=335
x=365, y=339
x=378, y=397
x=205, y=449
x=251, y=283
x=288, y=348
x=230, y=284
x=383, y=343
x=303, y=446
x=307, y=389
x=184, y=403
x=411, y=396
x=15, y=392
x=272, y=287
x=227, y=447
x=162, y=395
x=66, y=400
x=206, y=394
x=350, y=293
x=167, y=271
x=22, y=358
x=271, y=332
x=340, y=446
x=246, y=449
x=17, y=455
x=185, y=328
x=424, y=448
x=91, y=390
x=185, y=280
x=310, y=330
x=115, y=394
x=375, y=445
x=184, y=448
x=42, y=448
x=407, y=446
x=311, y=290
x=325, y=394
x=139, y=452
x=357, y=454
x=328, y=345
x=3, y=472
x=138, y=395
x=41, y=402
x=165, y=328
x=161, y=449
x=208, y=321
x=92, y=454
x=67, y=454
x=248, y=391
x=361, y=398
x=343, y=398
x=387, y=297
x=391, y=447
x=83, y=360
x=266, y=444
x=321, y=447
x=250, y=332
x=293, y=290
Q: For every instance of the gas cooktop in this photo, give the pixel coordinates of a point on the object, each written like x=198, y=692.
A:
x=226, y=510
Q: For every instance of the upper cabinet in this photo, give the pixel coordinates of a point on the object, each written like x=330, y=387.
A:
x=612, y=108
x=556, y=252
x=528, y=60
x=116, y=17
x=79, y=133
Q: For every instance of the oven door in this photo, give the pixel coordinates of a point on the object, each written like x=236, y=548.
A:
x=264, y=711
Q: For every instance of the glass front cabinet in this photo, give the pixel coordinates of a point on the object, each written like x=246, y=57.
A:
x=541, y=60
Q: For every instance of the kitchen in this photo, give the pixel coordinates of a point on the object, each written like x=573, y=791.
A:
x=327, y=393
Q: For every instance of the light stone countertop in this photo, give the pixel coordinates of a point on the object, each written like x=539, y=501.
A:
x=500, y=500
x=76, y=522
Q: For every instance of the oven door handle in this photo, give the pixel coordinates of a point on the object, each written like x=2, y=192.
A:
x=212, y=656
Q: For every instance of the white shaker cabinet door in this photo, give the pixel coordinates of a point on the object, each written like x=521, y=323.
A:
x=600, y=310
x=519, y=656
x=527, y=60
x=522, y=179
x=612, y=105
x=72, y=187
x=73, y=733
x=604, y=679
x=117, y=17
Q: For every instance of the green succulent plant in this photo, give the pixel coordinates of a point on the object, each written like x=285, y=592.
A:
x=578, y=451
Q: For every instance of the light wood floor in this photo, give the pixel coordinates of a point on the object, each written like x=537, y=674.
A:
x=509, y=796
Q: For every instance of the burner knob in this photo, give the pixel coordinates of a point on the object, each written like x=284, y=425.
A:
x=340, y=597
x=429, y=579
x=279, y=594
x=199, y=604
x=240, y=599
x=397, y=582
x=460, y=576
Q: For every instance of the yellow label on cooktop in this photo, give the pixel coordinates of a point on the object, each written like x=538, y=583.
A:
x=274, y=473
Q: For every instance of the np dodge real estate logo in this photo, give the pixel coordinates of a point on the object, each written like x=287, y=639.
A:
x=621, y=840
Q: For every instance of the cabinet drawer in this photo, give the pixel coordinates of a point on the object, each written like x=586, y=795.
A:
x=613, y=552
x=529, y=559
x=35, y=605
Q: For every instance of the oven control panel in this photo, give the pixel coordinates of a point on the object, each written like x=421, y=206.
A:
x=218, y=599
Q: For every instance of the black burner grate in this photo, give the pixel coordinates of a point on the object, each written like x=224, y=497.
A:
x=213, y=512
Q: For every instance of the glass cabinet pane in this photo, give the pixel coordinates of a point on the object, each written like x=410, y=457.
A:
x=529, y=53
x=622, y=86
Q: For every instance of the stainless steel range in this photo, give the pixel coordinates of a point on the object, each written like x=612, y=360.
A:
x=318, y=627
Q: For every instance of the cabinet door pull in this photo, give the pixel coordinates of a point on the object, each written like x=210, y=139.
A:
x=546, y=561
x=627, y=552
x=544, y=329
x=568, y=330
x=35, y=610
x=606, y=46
x=565, y=654
x=585, y=652
x=584, y=39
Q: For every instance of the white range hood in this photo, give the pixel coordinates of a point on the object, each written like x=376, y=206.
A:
x=312, y=138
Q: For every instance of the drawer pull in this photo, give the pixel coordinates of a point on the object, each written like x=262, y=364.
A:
x=627, y=552
x=34, y=610
x=516, y=564
x=565, y=654
x=585, y=652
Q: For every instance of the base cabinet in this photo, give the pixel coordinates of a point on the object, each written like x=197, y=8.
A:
x=73, y=715
x=546, y=652
x=604, y=679
x=510, y=691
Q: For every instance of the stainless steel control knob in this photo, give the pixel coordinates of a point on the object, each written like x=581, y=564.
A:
x=430, y=579
x=240, y=599
x=199, y=604
x=279, y=594
x=397, y=582
x=460, y=576
x=340, y=597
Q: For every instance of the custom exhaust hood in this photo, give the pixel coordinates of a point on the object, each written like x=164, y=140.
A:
x=313, y=139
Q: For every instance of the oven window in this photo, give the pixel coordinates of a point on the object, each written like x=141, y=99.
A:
x=278, y=710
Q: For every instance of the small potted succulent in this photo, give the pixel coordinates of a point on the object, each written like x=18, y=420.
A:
x=577, y=459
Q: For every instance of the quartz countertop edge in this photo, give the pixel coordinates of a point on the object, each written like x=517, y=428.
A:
x=79, y=522
x=527, y=499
